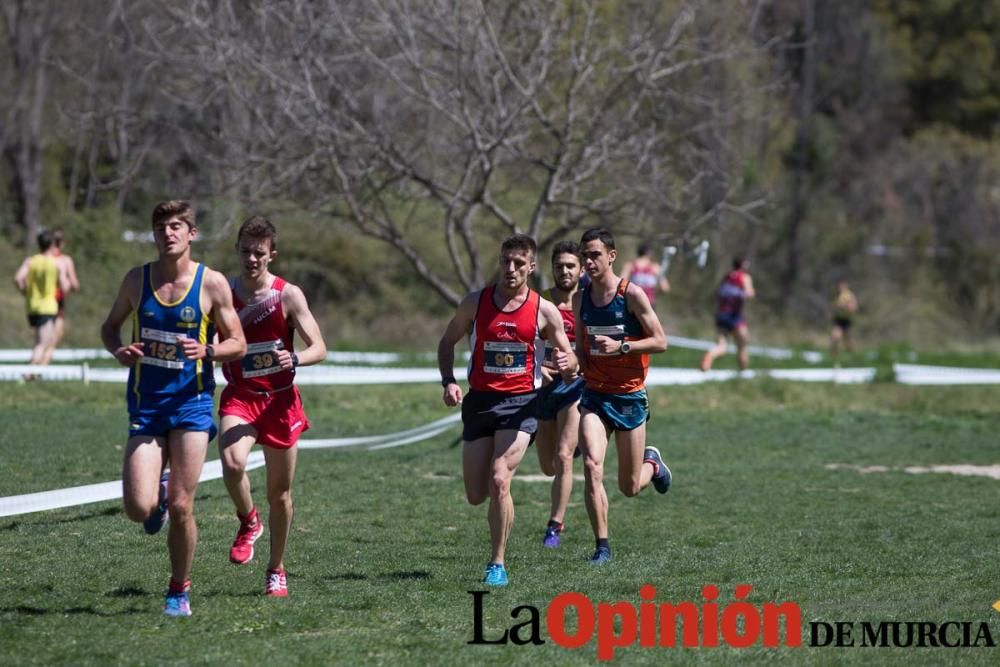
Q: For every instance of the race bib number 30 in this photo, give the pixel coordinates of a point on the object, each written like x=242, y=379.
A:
x=262, y=359
x=505, y=358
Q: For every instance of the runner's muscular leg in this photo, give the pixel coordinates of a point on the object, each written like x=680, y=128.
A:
x=546, y=443
x=477, y=456
x=145, y=456
x=280, y=473
x=187, y=451
x=235, y=442
x=594, y=442
x=742, y=338
x=633, y=474
x=569, y=438
x=509, y=447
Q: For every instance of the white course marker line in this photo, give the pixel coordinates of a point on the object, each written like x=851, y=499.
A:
x=93, y=493
x=962, y=469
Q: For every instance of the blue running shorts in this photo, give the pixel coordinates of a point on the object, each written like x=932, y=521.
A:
x=619, y=412
x=556, y=395
x=729, y=323
x=192, y=412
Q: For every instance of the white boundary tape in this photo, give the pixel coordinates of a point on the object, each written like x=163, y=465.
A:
x=362, y=375
x=92, y=493
x=770, y=352
x=87, y=354
x=348, y=357
x=324, y=374
x=318, y=375
x=944, y=375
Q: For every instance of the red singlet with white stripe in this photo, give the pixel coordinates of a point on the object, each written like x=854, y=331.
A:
x=267, y=331
x=504, y=357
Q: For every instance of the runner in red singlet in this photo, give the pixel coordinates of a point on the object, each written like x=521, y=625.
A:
x=67, y=276
x=645, y=274
x=504, y=322
x=558, y=414
x=736, y=287
x=261, y=403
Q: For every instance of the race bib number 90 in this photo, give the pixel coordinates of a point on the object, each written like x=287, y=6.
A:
x=505, y=358
x=262, y=359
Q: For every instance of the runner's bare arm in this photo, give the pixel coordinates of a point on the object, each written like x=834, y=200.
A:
x=232, y=343
x=21, y=275
x=297, y=310
x=638, y=304
x=70, y=268
x=62, y=276
x=457, y=328
x=663, y=283
x=124, y=304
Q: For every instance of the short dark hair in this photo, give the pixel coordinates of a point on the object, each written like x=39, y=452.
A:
x=643, y=249
x=521, y=242
x=564, y=248
x=57, y=237
x=44, y=239
x=738, y=261
x=259, y=227
x=598, y=234
x=174, y=208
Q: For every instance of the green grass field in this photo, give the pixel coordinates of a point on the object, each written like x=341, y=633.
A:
x=384, y=547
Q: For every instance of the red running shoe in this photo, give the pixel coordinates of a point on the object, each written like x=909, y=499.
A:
x=250, y=530
x=277, y=586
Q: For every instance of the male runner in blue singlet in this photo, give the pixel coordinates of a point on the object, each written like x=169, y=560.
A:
x=175, y=305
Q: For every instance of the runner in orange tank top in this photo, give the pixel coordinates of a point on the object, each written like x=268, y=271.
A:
x=616, y=331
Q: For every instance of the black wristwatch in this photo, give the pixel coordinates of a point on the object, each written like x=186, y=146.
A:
x=210, y=352
x=295, y=360
x=448, y=380
x=625, y=348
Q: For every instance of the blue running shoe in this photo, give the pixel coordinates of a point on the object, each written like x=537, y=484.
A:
x=601, y=556
x=496, y=575
x=551, y=539
x=177, y=604
x=154, y=522
x=663, y=477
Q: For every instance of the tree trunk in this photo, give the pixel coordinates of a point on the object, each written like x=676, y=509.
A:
x=801, y=156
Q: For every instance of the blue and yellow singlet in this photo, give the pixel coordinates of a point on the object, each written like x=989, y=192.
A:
x=164, y=374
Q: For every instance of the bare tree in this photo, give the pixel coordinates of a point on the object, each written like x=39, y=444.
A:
x=438, y=126
x=27, y=40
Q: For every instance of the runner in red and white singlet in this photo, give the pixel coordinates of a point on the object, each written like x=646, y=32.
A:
x=261, y=390
x=646, y=274
x=267, y=331
x=261, y=403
